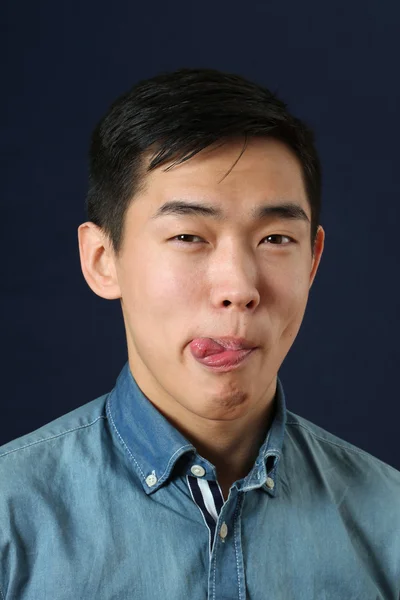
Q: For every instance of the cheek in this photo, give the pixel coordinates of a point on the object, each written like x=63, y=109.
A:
x=298, y=289
x=290, y=297
x=164, y=287
x=296, y=303
x=285, y=281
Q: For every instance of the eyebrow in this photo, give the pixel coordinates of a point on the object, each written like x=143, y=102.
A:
x=286, y=210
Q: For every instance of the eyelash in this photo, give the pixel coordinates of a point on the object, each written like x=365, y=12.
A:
x=180, y=242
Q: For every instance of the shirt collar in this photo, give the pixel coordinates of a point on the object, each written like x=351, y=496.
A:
x=153, y=445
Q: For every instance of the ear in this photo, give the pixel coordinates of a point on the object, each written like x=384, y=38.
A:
x=98, y=261
x=318, y=249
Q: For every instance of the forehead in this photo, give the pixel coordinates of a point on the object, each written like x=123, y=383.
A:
x=234, y=182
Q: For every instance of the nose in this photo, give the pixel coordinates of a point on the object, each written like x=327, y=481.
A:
x=240, y=303
x=234, y=282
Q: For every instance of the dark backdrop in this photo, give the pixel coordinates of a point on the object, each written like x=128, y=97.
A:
x=335, y=64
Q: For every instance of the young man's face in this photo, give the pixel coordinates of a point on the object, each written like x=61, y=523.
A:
x=231, y=279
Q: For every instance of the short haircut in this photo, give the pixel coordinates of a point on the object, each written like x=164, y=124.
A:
x=175, y=115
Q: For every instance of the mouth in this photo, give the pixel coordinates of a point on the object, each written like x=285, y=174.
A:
x=227, y=360
x=204, y=346
x=222, y=353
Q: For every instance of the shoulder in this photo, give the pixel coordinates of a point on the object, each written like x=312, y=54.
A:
x=332, y=452
x=44, y=476
x=54, y=438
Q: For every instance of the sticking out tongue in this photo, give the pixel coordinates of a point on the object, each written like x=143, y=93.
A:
x=202, y=347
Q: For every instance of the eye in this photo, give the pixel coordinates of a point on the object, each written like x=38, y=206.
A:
x=280, y=236
x=184, y=235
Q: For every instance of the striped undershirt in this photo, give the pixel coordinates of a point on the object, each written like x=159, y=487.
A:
x=209, y=499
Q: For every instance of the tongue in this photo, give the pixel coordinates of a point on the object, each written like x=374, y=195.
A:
x=202, y=347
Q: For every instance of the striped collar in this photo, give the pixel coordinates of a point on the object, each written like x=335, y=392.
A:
x=154, y=447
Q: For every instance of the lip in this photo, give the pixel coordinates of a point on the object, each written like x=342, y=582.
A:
x=227, y=360
x=234, y=343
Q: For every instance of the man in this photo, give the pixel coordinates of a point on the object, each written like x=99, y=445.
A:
x=191, y=479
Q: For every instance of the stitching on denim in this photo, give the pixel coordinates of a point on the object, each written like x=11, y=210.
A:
x=122, y=441
x=216, y=541
x=172, y=457
x=238, y=515
x=52, y=437
x=355, y=450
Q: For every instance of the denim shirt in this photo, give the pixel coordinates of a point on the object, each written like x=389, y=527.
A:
x=111, y=502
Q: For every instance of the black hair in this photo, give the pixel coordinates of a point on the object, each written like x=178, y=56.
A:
x=173, y=116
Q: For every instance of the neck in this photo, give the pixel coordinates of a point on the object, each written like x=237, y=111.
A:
x=233, y=453
x=227, y=430
x=231, y=446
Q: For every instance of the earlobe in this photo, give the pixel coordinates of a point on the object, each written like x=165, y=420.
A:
x=97, y=262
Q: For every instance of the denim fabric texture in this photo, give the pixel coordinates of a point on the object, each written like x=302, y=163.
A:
x=111, y=502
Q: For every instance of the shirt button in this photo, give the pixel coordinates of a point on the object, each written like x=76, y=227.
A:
x=223, y=532
x=270, y=483
x=198, y=470
x=151, y=479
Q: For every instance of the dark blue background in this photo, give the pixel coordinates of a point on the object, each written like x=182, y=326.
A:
x=335, y=64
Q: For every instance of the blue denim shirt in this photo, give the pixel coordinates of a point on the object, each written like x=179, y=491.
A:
x=111, y=502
